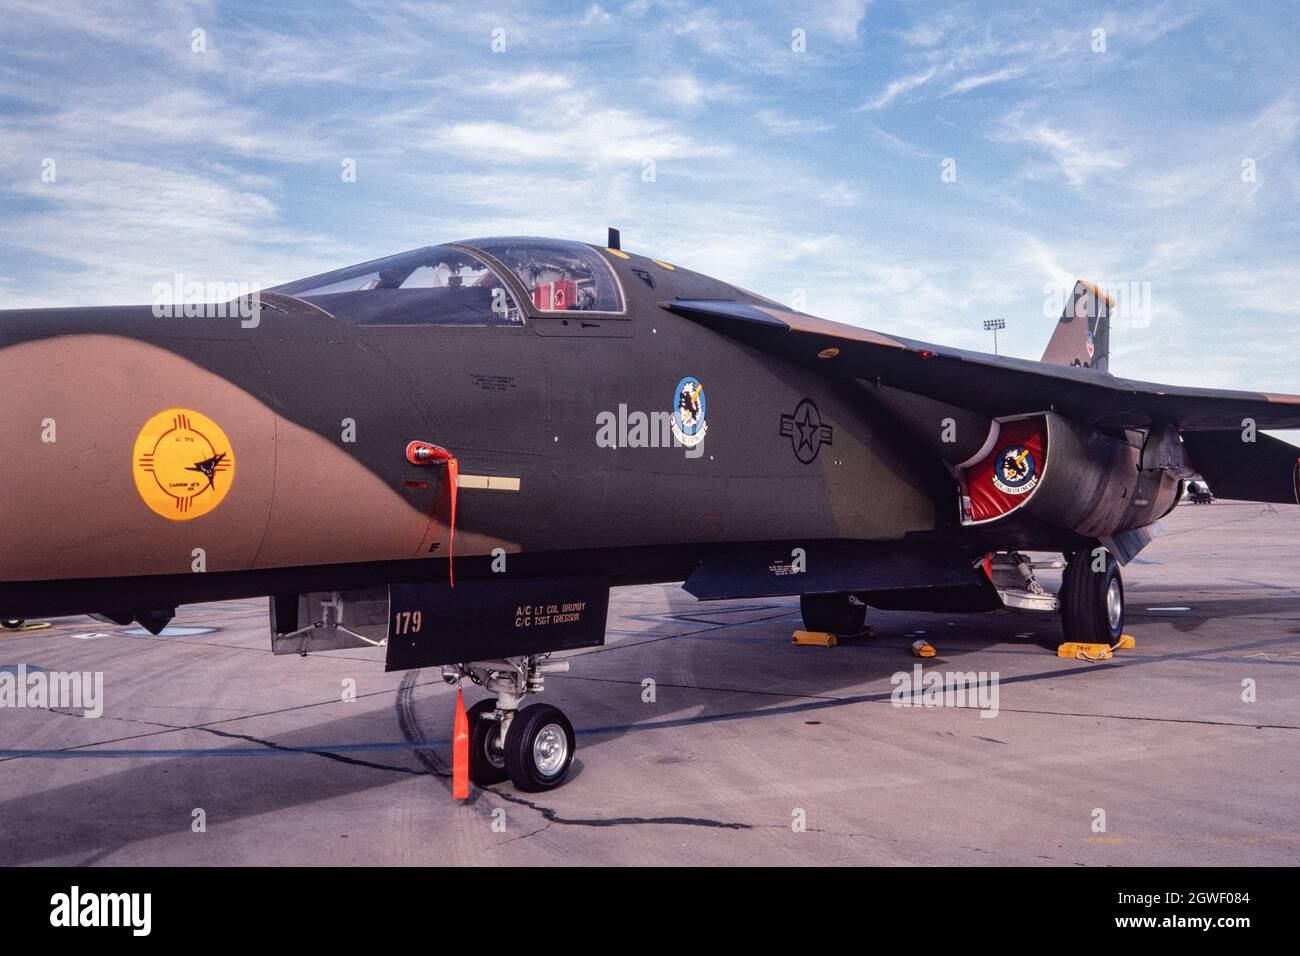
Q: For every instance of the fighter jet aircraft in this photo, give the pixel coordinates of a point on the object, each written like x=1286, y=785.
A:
x=456, y=451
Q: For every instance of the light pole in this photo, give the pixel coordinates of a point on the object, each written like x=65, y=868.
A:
x=993, y=325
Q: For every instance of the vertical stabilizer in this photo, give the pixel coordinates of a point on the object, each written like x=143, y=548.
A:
x=1082, y=336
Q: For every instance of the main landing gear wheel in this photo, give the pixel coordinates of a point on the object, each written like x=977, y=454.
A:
x=539, y=748
x=487, y=762
x=1092, y=602
x=537, y=751
x=842, y=614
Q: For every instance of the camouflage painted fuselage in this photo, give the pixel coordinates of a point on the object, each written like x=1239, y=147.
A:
x=318, y=493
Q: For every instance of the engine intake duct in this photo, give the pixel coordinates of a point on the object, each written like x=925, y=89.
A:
x=1070, y=476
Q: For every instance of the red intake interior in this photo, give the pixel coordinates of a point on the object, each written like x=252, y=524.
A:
x=995, y=486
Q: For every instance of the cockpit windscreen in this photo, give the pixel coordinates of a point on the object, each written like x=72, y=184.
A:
x=560, y=276
x=436, y=285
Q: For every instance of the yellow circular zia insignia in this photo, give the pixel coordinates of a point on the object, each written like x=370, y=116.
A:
x=183, y=464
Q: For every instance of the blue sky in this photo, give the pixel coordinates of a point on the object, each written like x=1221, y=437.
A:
x=814, y=176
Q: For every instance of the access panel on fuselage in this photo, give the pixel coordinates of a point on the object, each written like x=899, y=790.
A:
x=344, y=490
x=675, y=434
x=482, y=390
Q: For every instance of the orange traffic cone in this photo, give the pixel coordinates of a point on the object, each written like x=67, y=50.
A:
x=460, y=751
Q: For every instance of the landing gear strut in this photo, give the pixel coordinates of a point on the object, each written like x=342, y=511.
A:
x=1092, y=598
x=532, y=746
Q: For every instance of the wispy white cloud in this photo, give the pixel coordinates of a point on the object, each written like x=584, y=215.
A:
x=533, y=82
x=899, y=145
x=1143, y=25
x=969, y=83
x=614, y=136
x=776, y=169
x=927, y=32
x=840, y=20
x=127, y=225
x=784, y=125
x=1002, y=45
x=688, y=91
x=1077, y=154
x=596, y=15
x=897, y=88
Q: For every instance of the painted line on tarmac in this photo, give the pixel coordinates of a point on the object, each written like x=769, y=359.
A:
x=823, y=703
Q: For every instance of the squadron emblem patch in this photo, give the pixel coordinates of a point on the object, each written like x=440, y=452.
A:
x=183, y=464
x=689, y=412
x=1016, y=472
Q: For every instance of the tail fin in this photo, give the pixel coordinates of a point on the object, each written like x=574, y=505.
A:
x=1082, y=337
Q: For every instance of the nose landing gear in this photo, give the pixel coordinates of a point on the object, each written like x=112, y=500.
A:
x=487, y=762
x=533, y=747
x=539, y=748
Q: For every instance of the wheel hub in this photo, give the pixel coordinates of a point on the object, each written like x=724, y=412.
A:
x=494, y=754
x=1114, y=604
x=550, y=750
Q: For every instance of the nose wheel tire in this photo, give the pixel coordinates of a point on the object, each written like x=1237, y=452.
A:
x=487, y=761
x=1092, y=602
x=539, y=748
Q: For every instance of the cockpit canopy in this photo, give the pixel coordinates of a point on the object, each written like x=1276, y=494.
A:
x=560, y=276
x=464, y=284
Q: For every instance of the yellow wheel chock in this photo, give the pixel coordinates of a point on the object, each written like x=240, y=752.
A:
x=1077, y=651
x=814, y=638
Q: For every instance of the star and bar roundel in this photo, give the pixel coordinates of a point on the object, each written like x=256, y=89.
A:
x=806, y=431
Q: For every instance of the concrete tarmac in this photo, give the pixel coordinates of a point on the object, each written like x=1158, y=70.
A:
x=1183, y=751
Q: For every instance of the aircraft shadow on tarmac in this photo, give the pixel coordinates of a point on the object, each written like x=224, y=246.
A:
x=154, y=797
